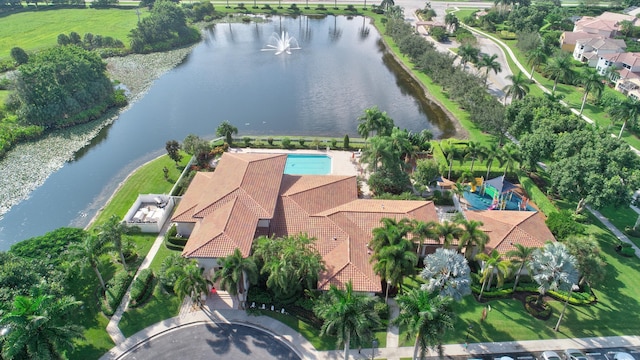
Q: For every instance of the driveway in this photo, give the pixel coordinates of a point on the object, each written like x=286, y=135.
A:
x=209, y=341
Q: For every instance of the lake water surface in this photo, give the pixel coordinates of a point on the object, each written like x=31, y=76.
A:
x=319, y=90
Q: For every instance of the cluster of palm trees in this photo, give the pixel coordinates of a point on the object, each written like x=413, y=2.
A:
x=470, y=53
x=507, y=156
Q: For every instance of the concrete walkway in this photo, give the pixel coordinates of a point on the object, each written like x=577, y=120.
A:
x=619, y=234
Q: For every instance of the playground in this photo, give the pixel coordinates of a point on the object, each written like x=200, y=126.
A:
x=496, y=194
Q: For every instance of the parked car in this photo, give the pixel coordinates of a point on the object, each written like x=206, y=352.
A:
x=573, y=354
x=551, y=355
x=622, y=356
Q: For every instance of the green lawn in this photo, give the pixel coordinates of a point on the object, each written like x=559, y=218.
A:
x=621, y=217
x=36, y=30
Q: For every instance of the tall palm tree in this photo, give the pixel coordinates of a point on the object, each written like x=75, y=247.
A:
x=447, y=273
x=468, y=53
x=387, y=4
x=88, y=252
x=374, y=120
x=536, y=57
x=592, y=81
x=474, y=151
x=236, y=274
x=380, y=151
x=227, y=130
x=41, y=327
x=448, y=231
x=472, y=239
x=347, y=315
x=390, y=233
x=493, y=265
x=191, y=282
x=394, y=262
x=489, y=63
x=112, y=232
x=492, y=152
x=553, y=268
x=509, y=157
x=627, y=110
x=451, y=21
x=518, y=89
x=401, y=143
x=424, y=230
x=559, y=68
x=426, y=318
x=521, y=256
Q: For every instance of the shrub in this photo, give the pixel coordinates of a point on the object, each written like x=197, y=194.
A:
x=542, y=311
x=286, y=143
x=142, y=287
x=116, y=287
x=351, y=8
x=247, y=141
x=293, y=7
x=562, y=224
x=382, y=309
x=627, y=251
x=321, y=7
x=301, y=142
x=168, y=280
x=270, y=141
x=266, y=7
x=345, y=141
x=631, y=231
x=334, y=142
x=305, y=303
x=259, y=296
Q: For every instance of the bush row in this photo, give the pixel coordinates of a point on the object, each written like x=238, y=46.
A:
x=142, y=287
x=116, y=287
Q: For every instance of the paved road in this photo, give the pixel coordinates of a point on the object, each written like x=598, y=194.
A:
x=210, y=341
x=592, y=354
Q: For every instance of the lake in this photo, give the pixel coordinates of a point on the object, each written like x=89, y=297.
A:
x=340, y=70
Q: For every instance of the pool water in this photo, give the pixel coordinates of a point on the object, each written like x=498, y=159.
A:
x=302, y=164
x=483, y=202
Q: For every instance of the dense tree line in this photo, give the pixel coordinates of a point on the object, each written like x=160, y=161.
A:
x=467, y=89
x=164, y=29
x=60, y=86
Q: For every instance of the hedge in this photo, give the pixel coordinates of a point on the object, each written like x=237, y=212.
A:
x=537, y=196
x=116, y=287
x=142, y=287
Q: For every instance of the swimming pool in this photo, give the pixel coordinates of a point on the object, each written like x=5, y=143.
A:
x=306, y=164
x=484, y=202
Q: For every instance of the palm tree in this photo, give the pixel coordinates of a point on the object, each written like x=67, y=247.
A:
x=474, y=151
x=493, y=264
x=489, y=63
x=347, y=315
x=390, y=233
x=426, y=318
x=424, y=230
x=112, y=231
x=559, y=68
x=88, y=252
x=592, y=82
x=448, y=231
x=236, y=274
x=472, y=239
x=394, y=262
x=451, y=21
x=492, y=153
x=227, y=130
x=401, y=144
x=467, y=53
x=447, y=273
x=380, y=151
x=450, y=152
x=553, y=268
x=40, y=327
x=518, y=89
x=520, y=255
x=627, y=110
x=374, y=120
x=387, y=4
x=536, y=57
x=190, y=282
x=509, y=157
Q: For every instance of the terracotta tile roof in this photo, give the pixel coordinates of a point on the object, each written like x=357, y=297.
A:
x=185, y=209
x=569, y=37
x=512, y=227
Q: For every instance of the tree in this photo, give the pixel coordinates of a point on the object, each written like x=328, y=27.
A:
x=627, y=111
x=589, y=261
x=592, y=82
x=472, y=239
x=381, y=152
x=88, y=252
x=227, y=130
x=521, y=256
x=394, y=262
x=190, y=282
x=173, y=150
x=425, y=173
x=519, y=87
x=553, y=268
x=489, y=63
x=510, y=155
x=473, y=151
x=448, y=231
x=236, y=274
x=374, y=120
x=19, y=55
x=559, y=68
x=536, y=57
x=41, y=327
x=491, y=153
x=493, y=264
x=390, y=233
x=447, y=273
x=292, y=264
x=112, y=231
x=387, y=4
x=451, y=21
x=424, y=230
x=427, y=318
x=347, y=315
x=468, y=53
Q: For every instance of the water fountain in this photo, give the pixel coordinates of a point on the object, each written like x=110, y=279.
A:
x=282, y=43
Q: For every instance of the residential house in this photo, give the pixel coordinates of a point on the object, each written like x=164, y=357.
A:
x=606, y=25
x=588, y=50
